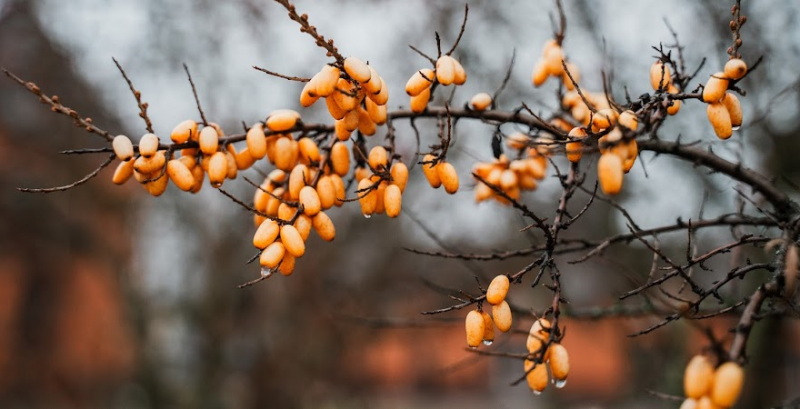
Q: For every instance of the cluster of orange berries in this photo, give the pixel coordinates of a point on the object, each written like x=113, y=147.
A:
x=724, y=109
x=448, y=71
x=554, y=357
x=551, y=64
x=480, y=325
x=661, y=80
x=513, y=176
x=381, y=192
x=440, y=173
x=709, y=388
x=345, y=94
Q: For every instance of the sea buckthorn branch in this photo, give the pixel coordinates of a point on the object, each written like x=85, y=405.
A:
x=56, y=106
x=279, y=75
x=306, y=27
x=194, y=92
x=736, y=25
x=460, y=31
x=73, y=184
x=138, y=95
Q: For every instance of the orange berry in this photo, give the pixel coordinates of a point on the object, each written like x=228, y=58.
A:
x=324, y=227
x=475, y=327
x=286, y=267
x=431, y=172
x=399, y=174
x=501, y=313
x=660, y=74
x=481, y=101
x=392, y=200
x=382, y=97
x=209, y=140
x=266, y=233
x=497, y=290
x=610, y=173
x=720, y=120
x=292, y=240
x=698, y=377
x=715, y=88
x=488, y=328
x=735, y=69
x=368, y=201
x=357, y=69
x=180, y=175
x=123, y=172
x=272, y=255
x=536, y=376
x=327, y=79
x=538, y=335
x=420, y=101
x=217, y=169
x=727, y=384
x=734, y=107
x=448, y=177
x=123, y=147
x=559, y=362
x=184, y=131
x=148, y=145
x=445, y=70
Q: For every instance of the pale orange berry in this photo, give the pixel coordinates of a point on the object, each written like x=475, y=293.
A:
x=727, y=384
x=150, y=164
x=553, y=58
x=660, y=75
x=460, y=73
x=326, y=191
x=324, y=227
x=285, y=212
x=148, y=145
x=420, y=101
x=183, y=131
x=310, y=200
x=392, y=200
x=373, y=86
x=629, y=120
x=244, y=160
x=180, y=175
x=676, y=104
x=540, y=74
x=448, y=177
x=431, y=172
x=217, y=169
x=287, y=265
x=257, y=141
x=517, y=140
x=327, y=79
x=497, y=290
x=538, y=335
x=340, y=159
x=377, y=113
x=282, y=120
x=689, y=403
x=369, y=200
x=157, y=187
x=735, y=69
x=475, y=327
x=715, y=88
x=734, y=107
x=610, y=173
x=720, y=120
x=123, y=172
x=378, y=157
x=334, y=109
x=559, y=361
x=209, y=140
x=575, y=149
x=536, y=376
x=399, y=174
x=199, y=175
x=488, y=328
x=266, y=233
x=480, y=101
x=339, y=188
x=445, y=70
x=272, y=255
x=123, y=147
x=501, y=313
x=303, y=225
x=345, y=95
x=698, y=377
x=357, y=69
x=309, y=151
x=283, y=153
x=365, y=124
x=382, y=97
x=291, y=239
x=308, y=96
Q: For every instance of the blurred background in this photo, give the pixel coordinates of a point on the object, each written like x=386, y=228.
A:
x=111, y=298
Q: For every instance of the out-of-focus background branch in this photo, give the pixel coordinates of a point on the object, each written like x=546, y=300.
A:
x=111, y=298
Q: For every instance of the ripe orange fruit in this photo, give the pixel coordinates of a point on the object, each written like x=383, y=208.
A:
x=150, y=164
x=148, y=145
x=272, y=255
x=286, y=267
x=123, y=172
x=536, y=376
x=184, y=131
x=448, y=177
x=660, y=74
x=497, y=290
x=431, y=172
x=698, y=377
x=559, y=361
x=365, y=124
x=368, y=201
x=538, y=335
x=327, y=79
x=715, y=88
x=282, y=120
x=720, y=120
x=382, y=97
x=481, y=101
x=488, y=328
x=420, y=101
x=308, y=96
x=334, y=109
x=610, y=173
x=340, y=159
x=575, y=148
x=209, y=140
x=357, y=69
x=217, y=169
x=303, y=225
x=377, y=157
x=727, y=385
x=392, y=200
x=324, y=227
x=310, y=200
x=460, y=73
x=676, y=104
x=399, y=174
x=540, y=74
x=629, y=120
x=734, y=107
x=377, y=113
x=475, y=327
x=292, y=240
x=735, y=69
x=123, y=147
x=180, y=175
x=266, y=233
x=502, y=314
